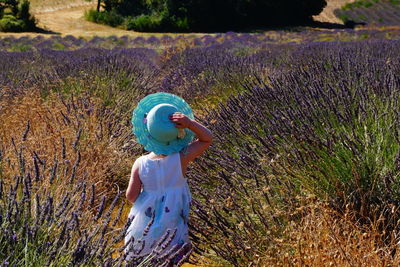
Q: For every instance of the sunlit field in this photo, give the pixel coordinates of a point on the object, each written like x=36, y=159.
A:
x=303, y=169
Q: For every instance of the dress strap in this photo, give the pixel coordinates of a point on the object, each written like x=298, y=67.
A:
x=141, y=160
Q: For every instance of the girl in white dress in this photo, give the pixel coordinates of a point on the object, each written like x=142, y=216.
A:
x=163, y=123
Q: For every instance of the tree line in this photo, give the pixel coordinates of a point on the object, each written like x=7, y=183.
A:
x=204, y=15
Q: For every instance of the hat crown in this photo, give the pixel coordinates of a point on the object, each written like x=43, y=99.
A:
x=159, y=125
x=152, y=127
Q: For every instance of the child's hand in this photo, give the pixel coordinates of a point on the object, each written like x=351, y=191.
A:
x=181, y=120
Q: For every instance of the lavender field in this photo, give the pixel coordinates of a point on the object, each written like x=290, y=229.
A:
x=161, y=42
x=303, y=171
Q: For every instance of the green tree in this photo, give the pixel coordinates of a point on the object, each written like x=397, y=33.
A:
x=232, y=14
x=15, y=16
x=211, y=15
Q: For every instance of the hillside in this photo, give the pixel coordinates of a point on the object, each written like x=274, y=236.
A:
x=67, y=18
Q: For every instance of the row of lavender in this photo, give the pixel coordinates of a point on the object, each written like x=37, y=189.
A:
x=51, y=214
x=328, y=125
x=312, y=118
x=71, y=43
x=375, y=12
x=65, y=122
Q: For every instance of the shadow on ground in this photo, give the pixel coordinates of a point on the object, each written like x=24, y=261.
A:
x=328, y=25
x=44, y=31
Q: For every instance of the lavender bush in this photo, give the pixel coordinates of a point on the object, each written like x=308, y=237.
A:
x=327, y=126
x=53, y=218
x=39, y=231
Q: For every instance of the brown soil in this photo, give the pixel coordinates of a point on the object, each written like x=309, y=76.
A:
x=327, y=14
x=59, y=17
x=70, y=21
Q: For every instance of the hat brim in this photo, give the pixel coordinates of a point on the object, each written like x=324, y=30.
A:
x=140, y=127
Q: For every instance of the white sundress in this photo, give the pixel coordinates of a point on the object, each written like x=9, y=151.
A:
x=165, y=198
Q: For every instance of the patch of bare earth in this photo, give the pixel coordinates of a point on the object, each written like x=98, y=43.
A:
x=67, y=18
x=39, y=6
x=71, y=21
x=327, y=14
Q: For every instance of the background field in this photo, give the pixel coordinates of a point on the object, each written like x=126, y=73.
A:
x=66, y=17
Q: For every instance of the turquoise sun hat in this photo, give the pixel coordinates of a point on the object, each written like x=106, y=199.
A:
x=154, y=130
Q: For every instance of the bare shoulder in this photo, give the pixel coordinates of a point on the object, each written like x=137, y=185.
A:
x=135, y=165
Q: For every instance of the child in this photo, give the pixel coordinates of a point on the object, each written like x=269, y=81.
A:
x=164, y=124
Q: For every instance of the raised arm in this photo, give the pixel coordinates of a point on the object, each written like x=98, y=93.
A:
x=135, y=185
x=198, y=146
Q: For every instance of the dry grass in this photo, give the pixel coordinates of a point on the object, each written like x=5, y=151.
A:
x=59, y=130
x=325, y=237
x=53, y=124
x=59, y=133
x=39, y=6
